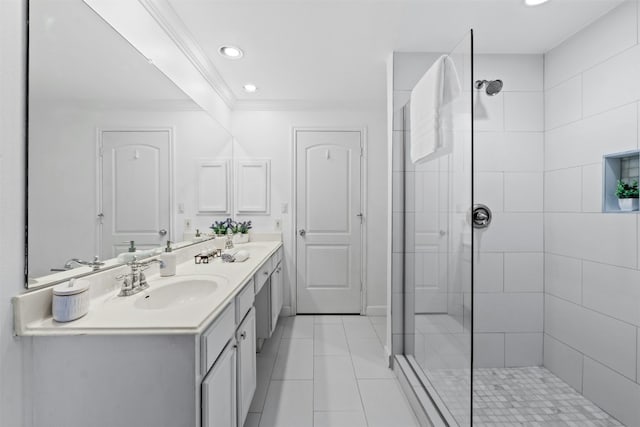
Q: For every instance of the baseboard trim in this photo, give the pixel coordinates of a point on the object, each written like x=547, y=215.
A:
x=372, y=310
x=286, y=311
x=376, y=310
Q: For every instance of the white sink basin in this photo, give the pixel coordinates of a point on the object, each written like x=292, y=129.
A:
x=177, y=293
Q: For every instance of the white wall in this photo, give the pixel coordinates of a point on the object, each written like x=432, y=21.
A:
x=12, y=46
x=592, y=265
x=62, y=187
x=508, y=164
x=268, y=134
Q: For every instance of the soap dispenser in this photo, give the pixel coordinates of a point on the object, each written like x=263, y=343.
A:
x=168, y=261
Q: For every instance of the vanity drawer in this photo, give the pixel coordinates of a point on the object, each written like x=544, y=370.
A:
x=262, y=275
x=216, y=337
x=244, y=301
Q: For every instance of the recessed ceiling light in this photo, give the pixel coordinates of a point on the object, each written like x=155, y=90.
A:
x=534, y=2
x=250, y=88
x=231, y=52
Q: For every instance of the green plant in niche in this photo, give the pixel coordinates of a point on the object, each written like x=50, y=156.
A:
x=627, y=191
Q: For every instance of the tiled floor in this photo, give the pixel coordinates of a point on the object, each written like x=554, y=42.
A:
x=328, y=371
x=513, y=397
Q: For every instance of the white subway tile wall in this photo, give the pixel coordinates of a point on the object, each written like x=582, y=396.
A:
x=592, y=277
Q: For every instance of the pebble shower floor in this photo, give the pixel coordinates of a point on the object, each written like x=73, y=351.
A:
x=514, y=397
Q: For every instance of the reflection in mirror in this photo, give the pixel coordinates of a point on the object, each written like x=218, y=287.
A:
x=117, y=151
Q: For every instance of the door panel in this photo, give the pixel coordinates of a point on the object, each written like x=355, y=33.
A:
x=246, y=364
x=219, y=391
x=321, y=256
x=135, y=189
x=276, y=296
x=329, y=251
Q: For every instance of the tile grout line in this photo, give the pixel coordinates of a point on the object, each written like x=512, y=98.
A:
x=364, y=412
x=275, y=359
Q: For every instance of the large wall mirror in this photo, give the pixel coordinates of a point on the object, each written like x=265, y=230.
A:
x=116, y=150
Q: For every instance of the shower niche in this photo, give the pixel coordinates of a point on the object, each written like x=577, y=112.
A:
x=623, y=167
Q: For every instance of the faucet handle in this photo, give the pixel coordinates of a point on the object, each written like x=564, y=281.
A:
x=142, y=280
x=127, y=283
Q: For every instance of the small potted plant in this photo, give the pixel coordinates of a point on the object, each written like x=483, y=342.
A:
x=220, y=227
x=241, y=232
x=627, y=195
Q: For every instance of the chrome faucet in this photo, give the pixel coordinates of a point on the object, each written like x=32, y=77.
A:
x=228, y=244
x=95, y=264
x=135, y=281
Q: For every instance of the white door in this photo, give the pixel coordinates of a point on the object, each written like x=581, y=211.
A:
x=329, y=221
x=219, y=391
x=430, y=252
x=135, y=189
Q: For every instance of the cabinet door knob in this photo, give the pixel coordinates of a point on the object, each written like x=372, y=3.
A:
x=243, y=335
x=266, y=273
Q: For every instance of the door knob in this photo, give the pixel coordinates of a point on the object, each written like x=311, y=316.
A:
x=302, y=232
x=162, y=232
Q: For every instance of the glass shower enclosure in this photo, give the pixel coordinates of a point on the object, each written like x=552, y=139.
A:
x=437, y=244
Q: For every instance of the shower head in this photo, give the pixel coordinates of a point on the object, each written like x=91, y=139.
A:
x=492, y=87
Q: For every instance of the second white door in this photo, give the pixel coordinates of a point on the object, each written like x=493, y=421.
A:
x=329, y=221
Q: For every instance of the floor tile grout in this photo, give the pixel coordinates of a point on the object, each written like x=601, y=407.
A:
x=366, y=420
x=289, y=327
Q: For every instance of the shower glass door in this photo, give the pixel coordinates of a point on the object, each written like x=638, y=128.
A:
x=438, y=243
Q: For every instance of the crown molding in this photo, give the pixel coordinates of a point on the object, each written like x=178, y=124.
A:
x=170, y=22
x=309, y=105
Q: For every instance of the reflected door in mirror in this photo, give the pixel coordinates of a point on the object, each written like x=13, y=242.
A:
x=135, y=189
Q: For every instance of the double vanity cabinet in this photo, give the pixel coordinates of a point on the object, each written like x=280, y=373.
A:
x=187, y=362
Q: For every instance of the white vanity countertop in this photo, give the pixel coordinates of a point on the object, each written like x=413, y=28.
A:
x=110, y=314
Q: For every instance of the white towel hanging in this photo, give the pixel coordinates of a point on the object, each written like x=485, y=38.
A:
x=438, y=88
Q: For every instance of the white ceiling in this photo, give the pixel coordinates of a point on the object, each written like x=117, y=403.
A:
x=299, y=53
x=333, y=52
x=76, y=57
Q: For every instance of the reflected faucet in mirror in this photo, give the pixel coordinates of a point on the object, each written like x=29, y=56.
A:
x=95, y=264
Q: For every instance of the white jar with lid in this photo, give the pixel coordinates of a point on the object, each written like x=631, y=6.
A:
x=70, y=300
